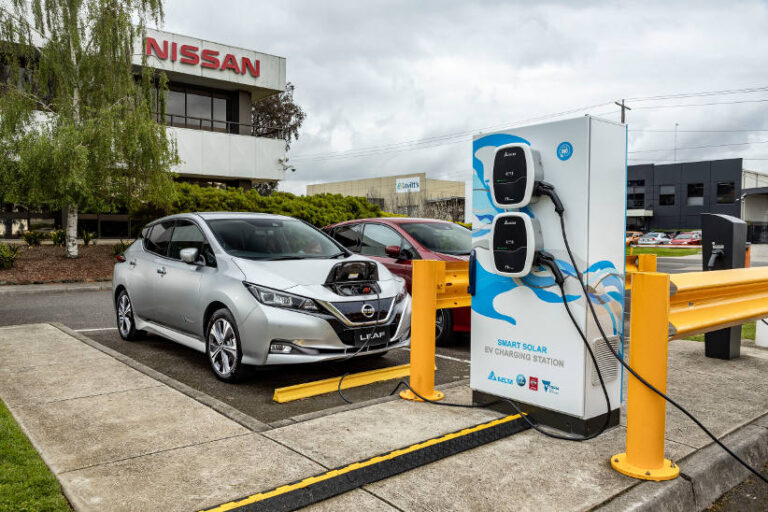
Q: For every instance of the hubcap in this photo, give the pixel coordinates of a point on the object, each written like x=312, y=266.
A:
x=222, y=347
x=439, y=322
x=124, y=315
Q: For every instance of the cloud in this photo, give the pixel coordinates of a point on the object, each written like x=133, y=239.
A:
x=382, y=72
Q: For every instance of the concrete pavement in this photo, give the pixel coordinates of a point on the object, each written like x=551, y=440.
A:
x=119, y=439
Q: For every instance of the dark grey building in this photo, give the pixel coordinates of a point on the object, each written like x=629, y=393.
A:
x=672, y=196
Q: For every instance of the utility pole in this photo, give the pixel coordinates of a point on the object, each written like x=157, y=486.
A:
x=624, y=108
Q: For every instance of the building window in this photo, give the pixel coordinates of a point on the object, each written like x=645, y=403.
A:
x=636, y=194
x=200, y=109
x=667, y=195
x=726, y=192
x=695, y=194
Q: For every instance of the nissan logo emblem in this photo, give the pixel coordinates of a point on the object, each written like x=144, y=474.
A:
x=368, y=311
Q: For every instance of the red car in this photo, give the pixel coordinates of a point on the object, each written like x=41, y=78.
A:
x=690, y=238
x=397, y=241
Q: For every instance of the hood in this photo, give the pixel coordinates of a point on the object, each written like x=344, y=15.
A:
x=451, y=257
x=285, y=274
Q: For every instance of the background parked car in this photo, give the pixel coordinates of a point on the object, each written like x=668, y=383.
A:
x=654, y=238
x=397, y=241
x=690, y=238
x=633, y=237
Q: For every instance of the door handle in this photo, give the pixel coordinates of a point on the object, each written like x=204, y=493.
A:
x=132, y=263
x=161, y=271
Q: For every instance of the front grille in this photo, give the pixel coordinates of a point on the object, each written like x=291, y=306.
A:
x=347, y=335
x=353, y=311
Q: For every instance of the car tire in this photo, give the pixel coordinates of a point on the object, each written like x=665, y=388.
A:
x=126, y=325
x=443, y=326
x=222, y=346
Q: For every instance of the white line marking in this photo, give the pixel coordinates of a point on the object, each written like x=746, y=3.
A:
x=97, y=329
x=446, y=357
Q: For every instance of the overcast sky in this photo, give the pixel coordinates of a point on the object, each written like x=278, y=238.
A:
x=389, y=74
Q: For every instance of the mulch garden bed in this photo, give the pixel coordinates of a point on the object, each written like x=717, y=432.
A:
x=48, y=264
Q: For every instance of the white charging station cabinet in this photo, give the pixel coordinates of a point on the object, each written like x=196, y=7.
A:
x=523, y=345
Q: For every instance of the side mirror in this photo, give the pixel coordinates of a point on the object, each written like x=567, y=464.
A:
x=393, y=251
x=190, y=255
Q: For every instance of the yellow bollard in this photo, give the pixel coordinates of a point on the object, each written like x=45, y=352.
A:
x=649, y=334
x=423, y=313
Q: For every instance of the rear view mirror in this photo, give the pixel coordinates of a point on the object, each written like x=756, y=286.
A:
x=393, y=251
x=190, y=255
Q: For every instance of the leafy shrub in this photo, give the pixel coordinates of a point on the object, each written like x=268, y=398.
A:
x=319, y=210
x=8, y=254
x=33, y=238
x=58, y=237
x=88, y=236
x=120, y=247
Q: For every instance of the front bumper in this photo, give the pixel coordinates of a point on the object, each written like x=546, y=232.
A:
x=317, y=337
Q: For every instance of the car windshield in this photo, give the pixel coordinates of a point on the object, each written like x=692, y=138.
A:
x=442, y=237
x=651, y=235
x=684, y=236
x=272, y=239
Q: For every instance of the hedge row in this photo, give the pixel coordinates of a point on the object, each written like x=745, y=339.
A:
x=319, y=210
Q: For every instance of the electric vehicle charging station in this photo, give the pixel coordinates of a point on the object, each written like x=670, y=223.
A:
x=524, y=346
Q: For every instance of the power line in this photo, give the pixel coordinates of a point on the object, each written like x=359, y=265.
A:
x=655, y=107
x=700, y=147
x=697, y=131
x=723, y=92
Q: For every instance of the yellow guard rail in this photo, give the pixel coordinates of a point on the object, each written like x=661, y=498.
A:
x=436, y=285
x=668, y=307
x=637, y=263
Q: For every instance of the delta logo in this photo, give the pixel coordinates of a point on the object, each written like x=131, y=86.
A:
x=533, y=383
x=503, y=380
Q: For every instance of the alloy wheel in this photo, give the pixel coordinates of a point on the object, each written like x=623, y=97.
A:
x=222, y=347
x=124, y=315
x=439, y=323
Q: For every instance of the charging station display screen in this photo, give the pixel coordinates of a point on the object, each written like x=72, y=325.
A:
x=510, y=245
x=510, y=175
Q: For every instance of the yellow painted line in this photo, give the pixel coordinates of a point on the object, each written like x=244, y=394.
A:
x=353, y=380
x=358, y=465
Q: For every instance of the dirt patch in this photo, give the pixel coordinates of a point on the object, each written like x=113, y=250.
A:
x=47, y=264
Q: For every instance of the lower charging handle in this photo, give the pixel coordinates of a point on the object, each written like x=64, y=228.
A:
x=472, y=273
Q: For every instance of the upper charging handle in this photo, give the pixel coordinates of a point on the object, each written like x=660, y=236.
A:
x=516, y=169
x=515, y=239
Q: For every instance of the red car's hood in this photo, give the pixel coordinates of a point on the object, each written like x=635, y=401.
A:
x=452, y=257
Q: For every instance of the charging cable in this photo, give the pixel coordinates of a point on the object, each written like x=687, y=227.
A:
x=560, y=210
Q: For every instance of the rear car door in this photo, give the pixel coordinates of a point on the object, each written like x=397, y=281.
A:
x=376, y=238
x=178, y=290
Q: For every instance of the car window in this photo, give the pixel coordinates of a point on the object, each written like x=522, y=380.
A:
x=376, y=237
x=444, y=237
x=348, y=235
x=159, y=238
x=185, y=234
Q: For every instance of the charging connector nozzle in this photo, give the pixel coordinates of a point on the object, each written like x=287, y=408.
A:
x=546, y=259
x=546, y=189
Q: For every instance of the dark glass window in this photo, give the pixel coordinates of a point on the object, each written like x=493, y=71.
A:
x=726, y=192
x=376, y=238
x=199, y=109
x=667, y=195
x=159, y=238
x=695, y=194
x=185, y=235
x=636, y=194
x=349, y=236
x=175, y=107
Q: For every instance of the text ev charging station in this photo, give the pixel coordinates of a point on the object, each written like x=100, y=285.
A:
x=524, y=346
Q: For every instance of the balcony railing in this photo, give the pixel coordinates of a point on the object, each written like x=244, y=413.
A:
x=213, y=125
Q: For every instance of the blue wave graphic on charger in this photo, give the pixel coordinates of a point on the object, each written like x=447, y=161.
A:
x=483, y=206
x=492, y=285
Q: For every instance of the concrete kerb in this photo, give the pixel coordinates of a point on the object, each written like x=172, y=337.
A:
x=226, y=410
x=20, y=289
x=705, y=475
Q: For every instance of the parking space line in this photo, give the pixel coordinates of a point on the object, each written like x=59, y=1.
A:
x=445, y=357
x=96, y=329
x=352, y=476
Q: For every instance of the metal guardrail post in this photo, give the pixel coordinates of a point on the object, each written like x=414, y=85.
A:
x=423, y=313
x=649, y=335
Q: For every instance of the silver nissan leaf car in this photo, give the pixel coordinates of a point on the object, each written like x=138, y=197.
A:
x=257, y=289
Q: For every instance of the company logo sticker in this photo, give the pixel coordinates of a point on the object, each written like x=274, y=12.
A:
x=533, y=383
x=521, y=380
x=564, y=151
x=550, y=388
x=368, y=310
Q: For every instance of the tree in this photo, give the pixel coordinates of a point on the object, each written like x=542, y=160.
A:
x=280, y=117
x=76, y=124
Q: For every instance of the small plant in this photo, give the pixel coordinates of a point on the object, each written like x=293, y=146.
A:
x=88, y=237
x=33, y=238
x=120, y=247
x=8, y=254
x=58, y=237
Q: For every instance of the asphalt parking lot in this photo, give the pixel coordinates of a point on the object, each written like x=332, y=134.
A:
x=91, y=314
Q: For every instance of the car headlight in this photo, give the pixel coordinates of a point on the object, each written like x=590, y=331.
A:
x=270, y=297
x=402, y=292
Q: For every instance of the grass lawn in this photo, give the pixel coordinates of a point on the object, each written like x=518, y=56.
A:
x=26, y=483
x=663, y=251
x=747, y=332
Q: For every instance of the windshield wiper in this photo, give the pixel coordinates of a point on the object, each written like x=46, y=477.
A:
x=344, y=254
x=279, y=258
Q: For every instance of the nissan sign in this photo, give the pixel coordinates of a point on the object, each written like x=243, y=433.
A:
x=194, y=56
